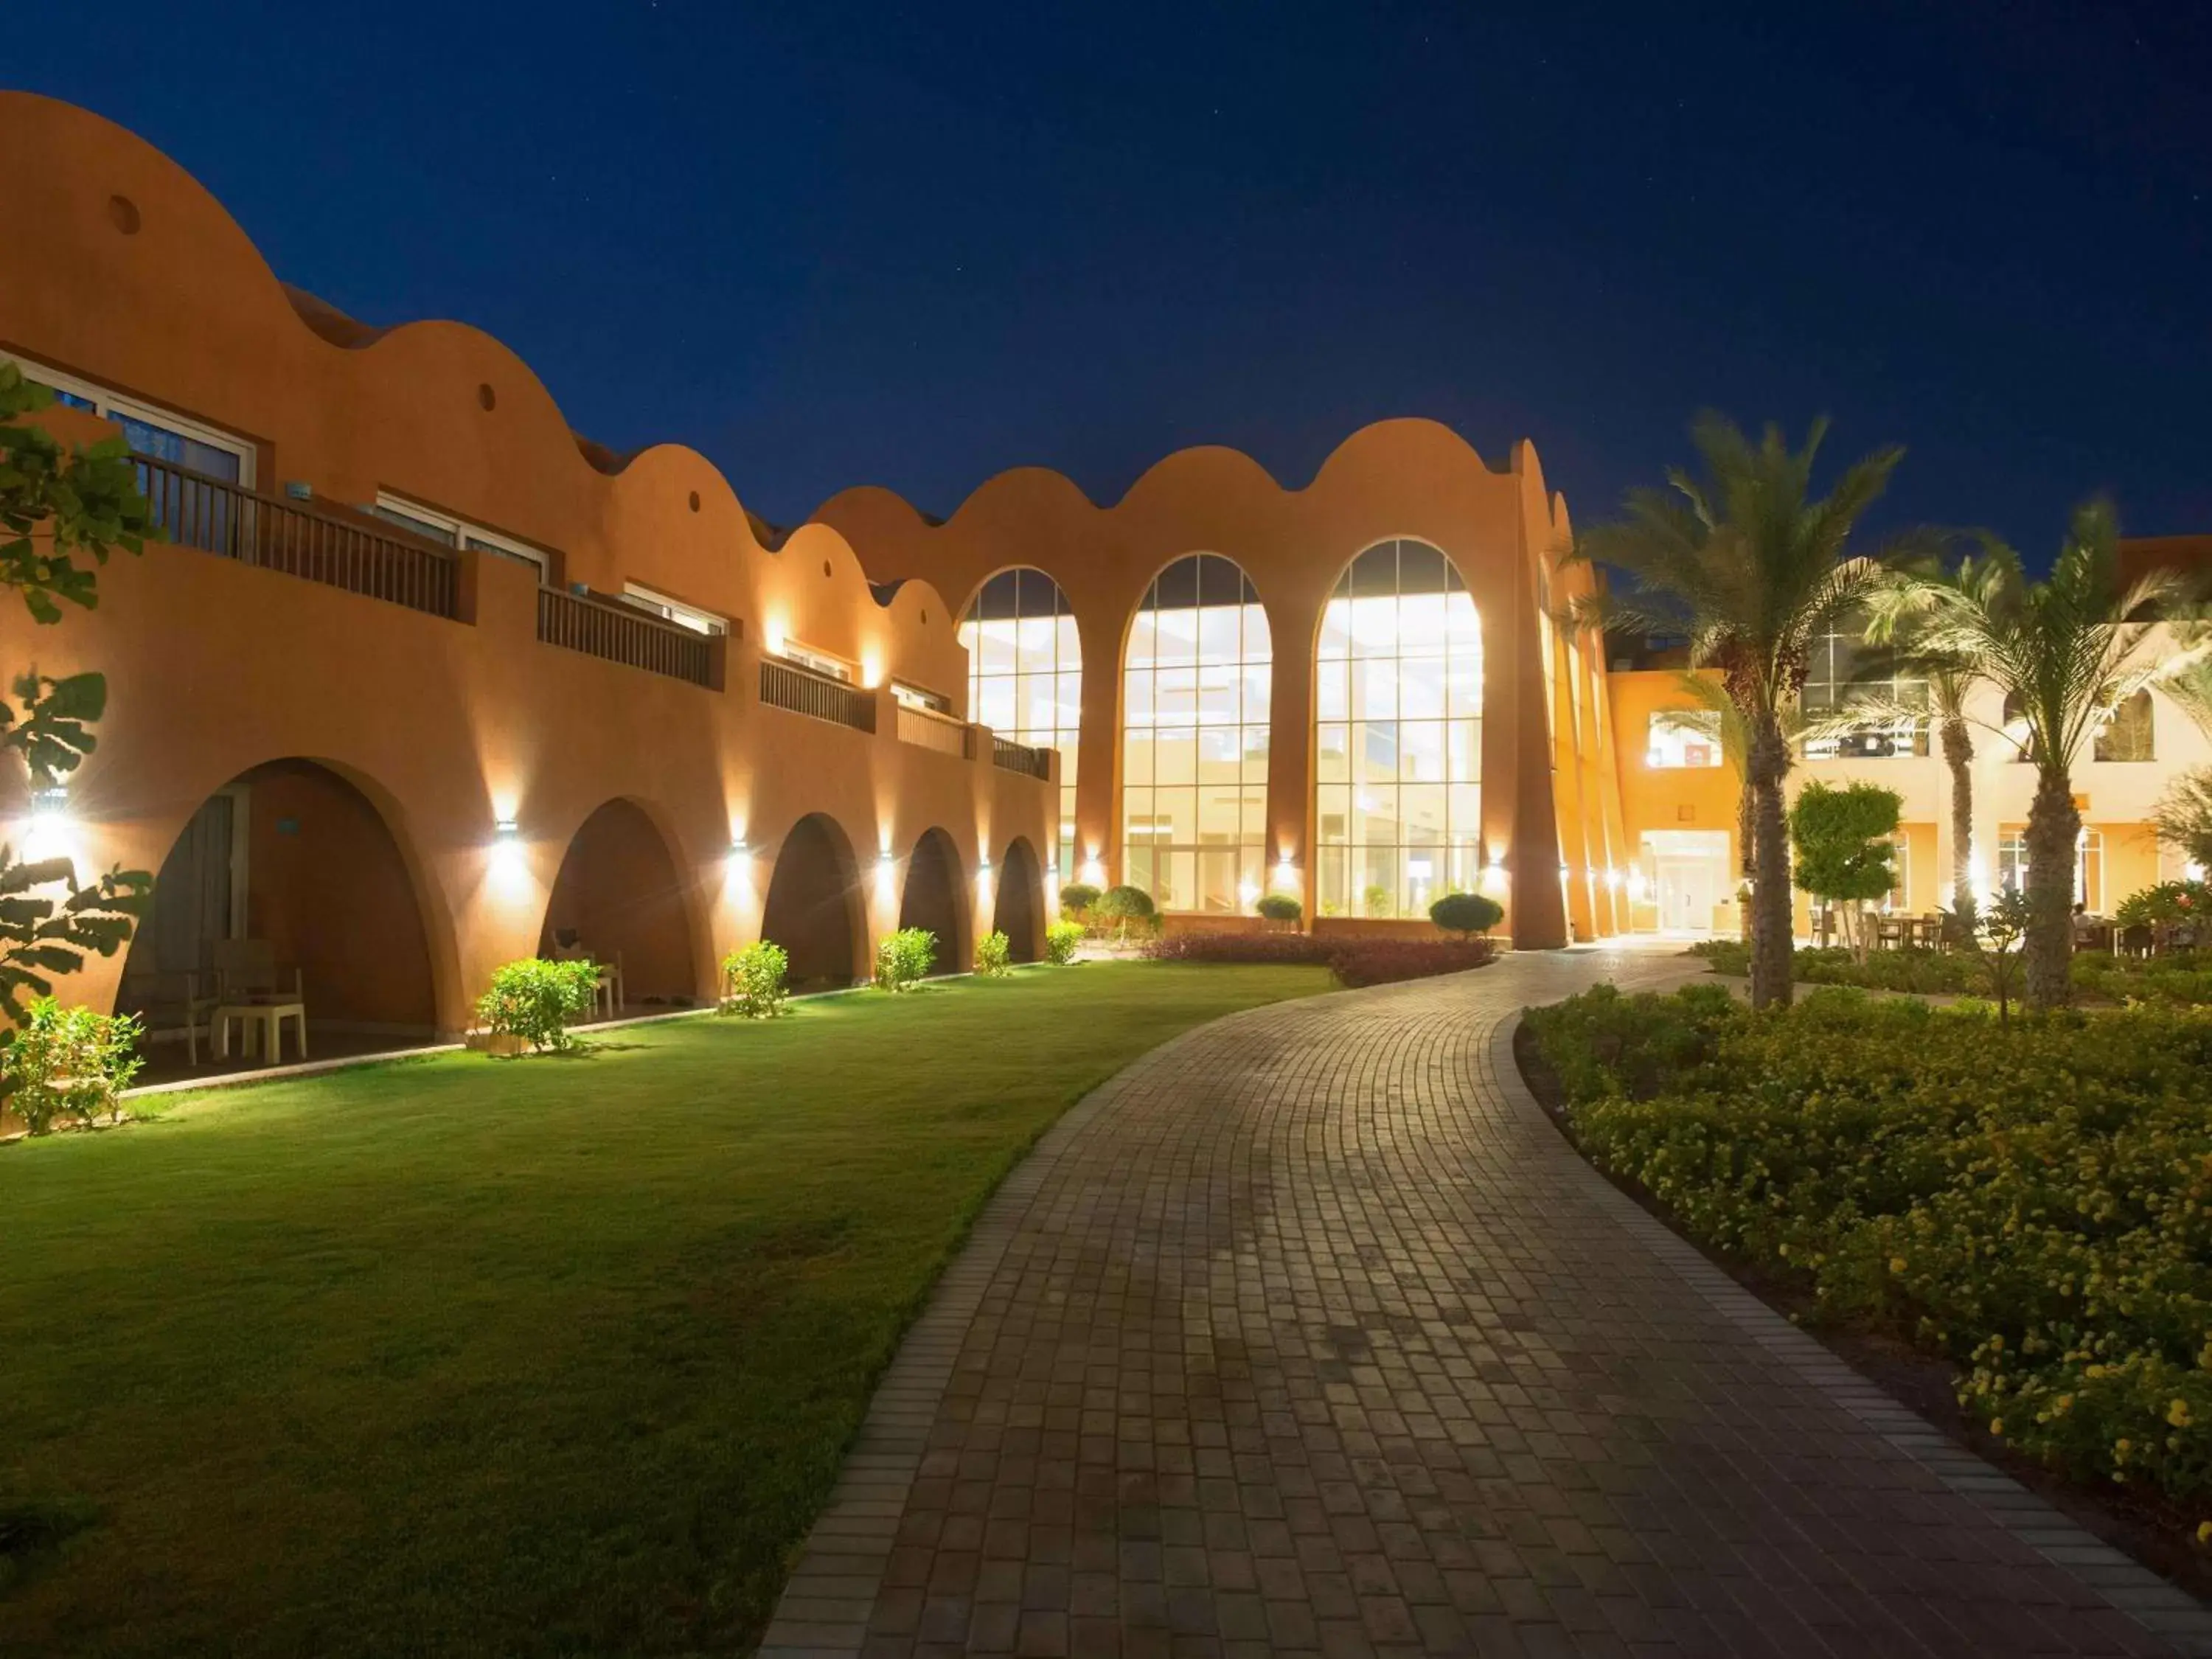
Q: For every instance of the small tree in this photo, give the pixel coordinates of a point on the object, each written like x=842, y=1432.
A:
x=1062, y=940
x=2004, y=929
x=754, y=981
x=995, y=955
x=535, y=1000
x=1844, y=853
x=904, y=958
x=1123, y=905
x=1466, y=913
x=1077, y=897
x=1279, y=907
x=55, y=505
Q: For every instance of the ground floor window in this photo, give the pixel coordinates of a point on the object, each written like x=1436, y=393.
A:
x=2088, y=865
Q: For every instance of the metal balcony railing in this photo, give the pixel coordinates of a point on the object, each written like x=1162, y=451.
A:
x=1010, y=756
x=928, y=729
x=803, y=691
x=219, y=517
x=623, y=633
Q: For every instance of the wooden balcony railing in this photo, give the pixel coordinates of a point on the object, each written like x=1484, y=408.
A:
x=803, y=691
x=218, y=517
x=1010, y=756
x=623, y=633
x=928, y=729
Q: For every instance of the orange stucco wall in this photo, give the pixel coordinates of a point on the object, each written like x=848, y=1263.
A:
x=443, y=726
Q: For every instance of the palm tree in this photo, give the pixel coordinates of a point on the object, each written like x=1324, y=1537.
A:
x=2066, y=653
x=1752, y=567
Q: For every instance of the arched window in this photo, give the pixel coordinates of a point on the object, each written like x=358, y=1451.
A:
x=1196, y=681
x=1025, y=671
x=1398, y=700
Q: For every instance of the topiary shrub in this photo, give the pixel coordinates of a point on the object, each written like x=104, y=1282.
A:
x=1123, y=905
x=535, y=1000
x=1466, y=913
x=69, y=1064
x=1280, y=907
x=903, y=959
x=1077, y=897
x=995, y=956
x=1060, y=940
x=753, y=981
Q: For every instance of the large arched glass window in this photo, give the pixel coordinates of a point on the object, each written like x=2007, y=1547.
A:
x=1196, y=681
x=1025, y=671
x=1398, y=700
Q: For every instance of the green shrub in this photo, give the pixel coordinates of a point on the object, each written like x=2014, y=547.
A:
x=995, y=955
x=2033, y=1200
x=1280, y=907
x=1939, y=972
x=1077, y=897
x=1060, y=940
x=2169, y=901
x=1123, y=905
x=753, y=981
x=535, y=1000
x=904, y=958
x=1466, y=913
x=69, y=1064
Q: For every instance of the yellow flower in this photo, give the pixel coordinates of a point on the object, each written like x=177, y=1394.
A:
x=1997, y=1427
x=2204, y=1532
x=2177, y=1412
x=1897, y=1264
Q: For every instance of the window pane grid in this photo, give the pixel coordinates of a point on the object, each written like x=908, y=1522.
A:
x=1196, y=679
x=1025, y=671
x=1398, y=701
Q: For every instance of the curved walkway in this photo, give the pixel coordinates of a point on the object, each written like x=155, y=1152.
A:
x=1308, y=1333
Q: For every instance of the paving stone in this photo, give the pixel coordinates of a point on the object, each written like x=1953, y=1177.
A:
x=1310, y=1334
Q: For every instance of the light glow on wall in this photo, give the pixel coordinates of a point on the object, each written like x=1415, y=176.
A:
x=50, y=831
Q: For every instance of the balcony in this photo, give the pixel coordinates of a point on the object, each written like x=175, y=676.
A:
x=233, y=522
x=1010, y=756
x=620, y=633
x=928, y=729
x=820, y=696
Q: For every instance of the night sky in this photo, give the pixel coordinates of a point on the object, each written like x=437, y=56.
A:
x=832, y=245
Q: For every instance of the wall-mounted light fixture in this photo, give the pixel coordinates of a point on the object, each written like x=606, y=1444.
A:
x=739, y=848
x=506, y=832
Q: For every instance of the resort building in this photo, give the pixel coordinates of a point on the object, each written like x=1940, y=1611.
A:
x=422, y=681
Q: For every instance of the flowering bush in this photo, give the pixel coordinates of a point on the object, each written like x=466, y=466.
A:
x=2034, y=1201
x=535, y=1000
x=995, y=955
x=1380, y=962
x=904, y=958
x=69, y=1063
x=2169, y=901
x=1252, y=947
x=753, y=981
x=1060, y=939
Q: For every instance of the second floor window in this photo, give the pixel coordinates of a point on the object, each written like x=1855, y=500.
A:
x=447, y=530
x=675, y=610
x=1684, y=738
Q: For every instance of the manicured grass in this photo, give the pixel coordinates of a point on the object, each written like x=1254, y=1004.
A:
x=547, y=1356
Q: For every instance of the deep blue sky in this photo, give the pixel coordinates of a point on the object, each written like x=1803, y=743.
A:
x=831, y=245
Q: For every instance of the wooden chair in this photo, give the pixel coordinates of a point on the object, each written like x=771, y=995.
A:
x=176, y=1002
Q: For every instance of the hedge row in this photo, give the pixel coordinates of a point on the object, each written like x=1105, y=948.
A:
x=1354, y=961
x=2034, y=1202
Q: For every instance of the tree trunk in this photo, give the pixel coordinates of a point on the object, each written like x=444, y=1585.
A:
x=1959, y=756
x=1746, y=841
x=1768, y=762
x=2053, y=827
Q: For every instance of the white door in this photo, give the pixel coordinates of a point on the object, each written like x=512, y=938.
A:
x=1686, y=895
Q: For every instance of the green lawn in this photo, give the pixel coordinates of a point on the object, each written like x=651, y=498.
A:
x=543, y=1356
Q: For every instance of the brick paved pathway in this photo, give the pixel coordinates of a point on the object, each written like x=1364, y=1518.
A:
x=1309, y=1334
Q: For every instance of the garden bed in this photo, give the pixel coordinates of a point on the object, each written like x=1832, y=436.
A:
x=2007, y=1230
x=2181, y=979
x=1355, y=962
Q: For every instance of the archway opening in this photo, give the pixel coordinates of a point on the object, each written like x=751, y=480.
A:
x=1018, y=910
x=1398, y=735
x=932, y=899
x=814, y=907
x=619, y=901
x=1197, y=677
x=285, y=886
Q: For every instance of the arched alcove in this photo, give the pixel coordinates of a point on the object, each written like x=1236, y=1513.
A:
x=1018, y=910
x=288, y=873
x=619, y=900
x=932, y=899
x=814, y=909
